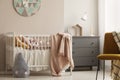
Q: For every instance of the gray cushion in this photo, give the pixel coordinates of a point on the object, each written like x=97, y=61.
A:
x=20, y=69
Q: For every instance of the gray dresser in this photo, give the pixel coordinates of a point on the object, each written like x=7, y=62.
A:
x=85, y=50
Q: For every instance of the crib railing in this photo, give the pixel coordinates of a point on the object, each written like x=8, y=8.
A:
x=29, y=45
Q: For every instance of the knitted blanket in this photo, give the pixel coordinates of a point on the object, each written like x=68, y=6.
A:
x=61, y=53
x=116, y=63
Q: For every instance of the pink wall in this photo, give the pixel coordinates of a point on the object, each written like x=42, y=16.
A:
x=49, y=19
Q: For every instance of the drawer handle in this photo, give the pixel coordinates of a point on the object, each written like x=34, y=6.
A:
x=92, y=60
x=92, y=43
x=73, y=52
x=73, y=43
x=92, y=51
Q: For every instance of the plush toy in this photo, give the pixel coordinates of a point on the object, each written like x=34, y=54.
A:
x=20, y=69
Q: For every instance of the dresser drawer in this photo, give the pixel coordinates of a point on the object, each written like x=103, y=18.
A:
x=85, y=61
x=85, y=42
x=85, y=52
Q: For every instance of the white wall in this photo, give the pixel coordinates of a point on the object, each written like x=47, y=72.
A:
x=112, y=15
x=49, y=19
x=75, y=9
x=101, y=21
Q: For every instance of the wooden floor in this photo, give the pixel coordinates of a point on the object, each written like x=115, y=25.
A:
x=76, y=75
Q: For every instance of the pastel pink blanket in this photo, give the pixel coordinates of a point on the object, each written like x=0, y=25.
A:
x=61, y=53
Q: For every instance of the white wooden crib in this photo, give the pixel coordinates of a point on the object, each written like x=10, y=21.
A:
x=35, y=50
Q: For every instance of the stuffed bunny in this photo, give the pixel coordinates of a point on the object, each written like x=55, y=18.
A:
x=20, y=68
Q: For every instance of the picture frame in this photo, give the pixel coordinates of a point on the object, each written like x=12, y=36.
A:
x=26, y=8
